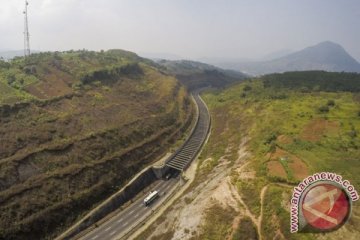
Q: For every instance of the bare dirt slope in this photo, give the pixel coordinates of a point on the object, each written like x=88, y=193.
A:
x=185, y=219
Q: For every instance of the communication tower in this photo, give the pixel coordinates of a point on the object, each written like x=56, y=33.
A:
x=26, y=31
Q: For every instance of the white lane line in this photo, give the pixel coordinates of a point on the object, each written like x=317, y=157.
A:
x=136, y=215
x=162, y=188
x=119, y=220
x=169, y=186
x=95, y=237
x=131, y=211
x=158, y=185
x=107, y=229
x=125, y=224
x=112, y=233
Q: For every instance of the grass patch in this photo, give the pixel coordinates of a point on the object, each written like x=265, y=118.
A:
x=246, y=230
x=250, y=192
x=284, y=161
x=291, y=116
x=217, y=223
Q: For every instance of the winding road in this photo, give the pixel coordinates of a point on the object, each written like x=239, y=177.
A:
x=124, y=221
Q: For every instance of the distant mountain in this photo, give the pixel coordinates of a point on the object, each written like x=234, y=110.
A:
x=326, y=56
x=196, y=74
x=7, y=55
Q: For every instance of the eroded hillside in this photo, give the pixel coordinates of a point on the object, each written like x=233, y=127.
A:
x=74, y=127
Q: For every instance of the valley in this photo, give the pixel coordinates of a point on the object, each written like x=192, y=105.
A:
x=80, y=125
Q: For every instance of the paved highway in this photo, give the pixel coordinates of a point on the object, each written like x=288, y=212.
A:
x=124, y=221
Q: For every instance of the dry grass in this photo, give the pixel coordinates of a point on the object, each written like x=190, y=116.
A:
x=65, y=154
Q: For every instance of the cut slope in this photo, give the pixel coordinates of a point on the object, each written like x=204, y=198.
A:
x=65, y=151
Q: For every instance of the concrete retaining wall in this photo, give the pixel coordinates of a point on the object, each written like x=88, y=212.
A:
x=138, y=184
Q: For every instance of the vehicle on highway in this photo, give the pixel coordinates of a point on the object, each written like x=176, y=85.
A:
x=168, y=176
x=151, y=197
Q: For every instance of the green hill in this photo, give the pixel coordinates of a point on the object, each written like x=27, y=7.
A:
x=294, y=124
x=78, y=125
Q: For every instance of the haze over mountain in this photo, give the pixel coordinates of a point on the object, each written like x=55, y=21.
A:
x=9, y=54
x=197, y=75
x=327, y=56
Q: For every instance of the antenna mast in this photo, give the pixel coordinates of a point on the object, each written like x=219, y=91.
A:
x=26, y=32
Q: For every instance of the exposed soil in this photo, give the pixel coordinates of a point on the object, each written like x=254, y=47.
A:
x=298, y=168
x=316, y=128
x=283, y=139
x=296, y=165
x=187, y=214
x=276, y=169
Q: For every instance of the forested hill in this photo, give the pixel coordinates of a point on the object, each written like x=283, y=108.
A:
x=314, y=81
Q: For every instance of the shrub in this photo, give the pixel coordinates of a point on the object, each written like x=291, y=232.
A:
x=245, y=230
x=353, y=133
x=270, y=138
x=331, y=103
x=323, y=109
x=280, y=96
x=247, y=88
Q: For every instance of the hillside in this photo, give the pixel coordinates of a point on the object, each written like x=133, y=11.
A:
x=326, y=56
x=267, y=135
x=79, y=125
x=196, y=74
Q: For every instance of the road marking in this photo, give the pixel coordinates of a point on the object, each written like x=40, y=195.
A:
x=95, y=237
x=119, y=220
x=131, y=211
x=125, y=224
x=107, y=229
x=112, y=233
x=136, y=215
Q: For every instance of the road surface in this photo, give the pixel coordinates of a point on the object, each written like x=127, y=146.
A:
x=124, y=221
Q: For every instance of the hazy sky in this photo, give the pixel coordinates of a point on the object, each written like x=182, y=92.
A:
x=188, y=28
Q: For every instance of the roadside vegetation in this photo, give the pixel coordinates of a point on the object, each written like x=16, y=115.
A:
x=296, y=124
x=267, y=135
